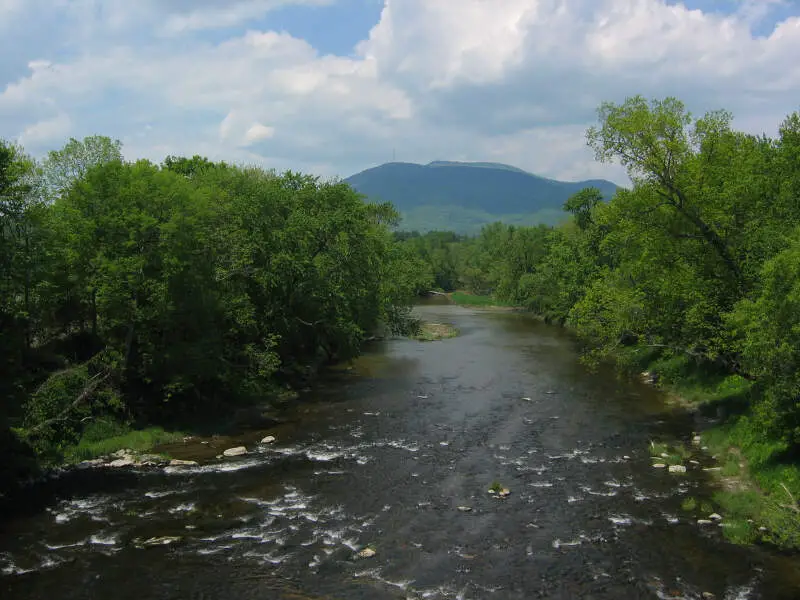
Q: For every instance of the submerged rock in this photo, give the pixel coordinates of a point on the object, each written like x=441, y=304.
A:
x=237, y=451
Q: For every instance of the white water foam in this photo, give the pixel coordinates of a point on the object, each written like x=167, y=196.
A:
x=104, y=539
x=94, y=508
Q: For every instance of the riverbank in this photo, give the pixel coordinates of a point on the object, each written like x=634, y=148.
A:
x=463, y=298
x=105, y=438
x=757, y=480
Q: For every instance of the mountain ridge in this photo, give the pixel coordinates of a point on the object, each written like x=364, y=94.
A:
x=484, y=191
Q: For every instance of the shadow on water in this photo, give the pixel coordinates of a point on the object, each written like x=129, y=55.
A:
x=395, y=453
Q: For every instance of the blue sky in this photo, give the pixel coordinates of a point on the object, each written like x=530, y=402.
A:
x=336, y=86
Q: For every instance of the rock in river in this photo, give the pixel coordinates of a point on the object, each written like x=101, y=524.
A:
x=237, y=451
x=122, y=462
x=677, y=469
x=367, y=553
x=182, y=463
x=268, y=440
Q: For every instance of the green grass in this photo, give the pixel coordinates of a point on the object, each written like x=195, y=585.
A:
x=699, y=385
x=765, y=488
x=429, y=332
x=496, y=487
x=466, y=299
x=102, y=438
x=675, y=455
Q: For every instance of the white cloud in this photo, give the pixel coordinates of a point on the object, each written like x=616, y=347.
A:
x=239, y=130
x=229, y=14
x=50, y=131
x=515, y=81
x=258, y=132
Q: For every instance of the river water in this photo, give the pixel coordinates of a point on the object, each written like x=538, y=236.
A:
x=383, y=456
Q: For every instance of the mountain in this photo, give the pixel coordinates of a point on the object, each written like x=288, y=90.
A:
x=464, y=196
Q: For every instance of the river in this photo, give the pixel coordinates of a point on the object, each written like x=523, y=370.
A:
x=384, y=455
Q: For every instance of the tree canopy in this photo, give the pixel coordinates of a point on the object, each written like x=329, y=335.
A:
x=148, y=293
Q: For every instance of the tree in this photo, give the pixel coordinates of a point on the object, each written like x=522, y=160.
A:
x=655, y=143
x=189, y=166
x=19, y=247
x=582, y=204
x=63, y=167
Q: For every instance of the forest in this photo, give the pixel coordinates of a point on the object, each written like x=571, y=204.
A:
x=691, y=273
x=134, y=294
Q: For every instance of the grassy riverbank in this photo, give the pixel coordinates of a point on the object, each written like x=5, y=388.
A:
x=757, y=479
x=473, y=300
x=106, y=437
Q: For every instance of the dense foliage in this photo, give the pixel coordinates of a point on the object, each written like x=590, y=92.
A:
x=144, y=293
x=694, y=268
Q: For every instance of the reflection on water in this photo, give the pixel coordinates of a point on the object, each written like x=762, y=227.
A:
x=396, y=455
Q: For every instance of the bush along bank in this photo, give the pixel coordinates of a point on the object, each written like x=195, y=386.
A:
x=137, y=298
x=692, y=272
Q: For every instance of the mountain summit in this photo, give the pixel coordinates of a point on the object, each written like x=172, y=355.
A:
x=463, y=196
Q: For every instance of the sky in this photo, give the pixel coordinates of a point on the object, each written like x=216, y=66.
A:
x=332, y=87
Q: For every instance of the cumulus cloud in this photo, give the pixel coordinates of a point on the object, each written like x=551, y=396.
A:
x=258, y=132
x=50, y=131
x=516, y=81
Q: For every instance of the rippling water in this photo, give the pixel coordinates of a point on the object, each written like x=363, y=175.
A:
x=389, y=456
